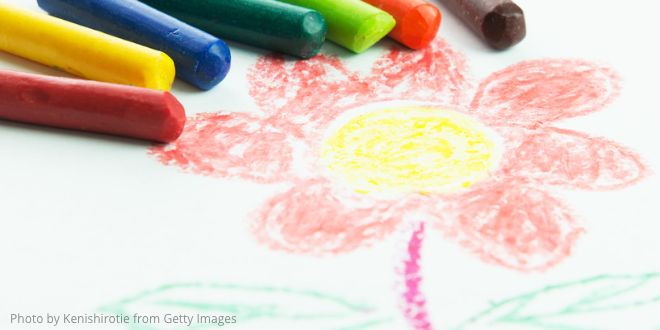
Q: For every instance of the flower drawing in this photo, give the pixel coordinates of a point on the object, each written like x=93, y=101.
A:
x=364, y=152
x=413, y=145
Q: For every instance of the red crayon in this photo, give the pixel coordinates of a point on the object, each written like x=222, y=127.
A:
x=91, y=106
x=417, y=21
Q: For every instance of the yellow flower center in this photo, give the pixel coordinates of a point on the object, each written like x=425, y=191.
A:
x=410, y=149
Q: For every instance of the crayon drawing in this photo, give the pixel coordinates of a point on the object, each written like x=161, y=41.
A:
x=258, y=307
x=599, y=302
x=414, y=144
x=413, y=301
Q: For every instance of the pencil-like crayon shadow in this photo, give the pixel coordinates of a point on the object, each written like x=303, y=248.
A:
x=49, y=132
x=238, y=47
x=330, y=48
x=180, y=86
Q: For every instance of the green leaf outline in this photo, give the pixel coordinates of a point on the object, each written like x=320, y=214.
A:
x=512, y=308
x=372, y=317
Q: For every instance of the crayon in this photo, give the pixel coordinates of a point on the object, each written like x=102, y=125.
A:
x=200, y=58
x=90, y=106
x=501, y=23
x=82, y=51
x=353, y=24
x=265, y=24
x=417, y=21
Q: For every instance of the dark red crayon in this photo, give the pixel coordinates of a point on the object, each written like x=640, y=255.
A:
x=501, y=23
x=91, y=106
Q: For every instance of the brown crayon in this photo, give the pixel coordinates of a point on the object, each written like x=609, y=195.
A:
x=501, y=23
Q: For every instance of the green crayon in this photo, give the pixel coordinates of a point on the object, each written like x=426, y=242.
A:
x=266, y=24
x=353, y=24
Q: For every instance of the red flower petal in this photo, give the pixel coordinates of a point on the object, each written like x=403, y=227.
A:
x=313, y=218
x=536, y=92
x=312, y=90
x=230, y=145
x=512, y=225
x=575, y=160
x=435, y=74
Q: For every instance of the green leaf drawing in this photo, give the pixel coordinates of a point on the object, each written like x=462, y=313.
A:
x=616, y=302
x=261, y=307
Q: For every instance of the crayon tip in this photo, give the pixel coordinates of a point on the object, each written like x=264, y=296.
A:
x=314, y=30
x=173, y=121
x=504, y=26
x=212, y=67
x=420, y=26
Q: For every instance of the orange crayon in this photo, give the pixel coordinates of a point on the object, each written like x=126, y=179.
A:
x=417, y=21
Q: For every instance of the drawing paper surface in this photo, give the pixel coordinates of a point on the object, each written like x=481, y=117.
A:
x=450, y=188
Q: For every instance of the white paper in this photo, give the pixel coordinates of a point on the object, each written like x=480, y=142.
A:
x=95, y=224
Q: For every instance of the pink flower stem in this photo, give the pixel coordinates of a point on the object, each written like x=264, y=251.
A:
x=413, y=302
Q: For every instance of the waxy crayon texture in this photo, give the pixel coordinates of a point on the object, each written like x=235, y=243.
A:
x=90, y=106
x=82, y=51
x=201, y=59
x=266, y=24
x=353, y=24
x=501, y=23
x=417, y=21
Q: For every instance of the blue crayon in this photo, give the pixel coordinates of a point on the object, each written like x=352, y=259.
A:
x=201, y=59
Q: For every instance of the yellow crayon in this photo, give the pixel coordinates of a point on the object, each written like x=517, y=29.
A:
x=82, y=51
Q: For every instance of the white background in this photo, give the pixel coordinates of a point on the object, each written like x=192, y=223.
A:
x=86, y=220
